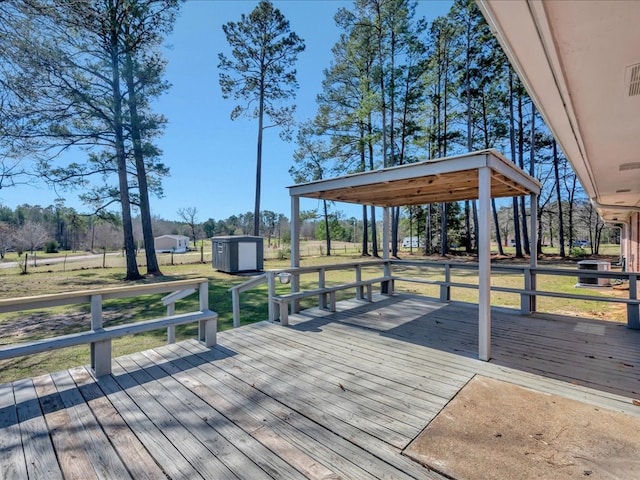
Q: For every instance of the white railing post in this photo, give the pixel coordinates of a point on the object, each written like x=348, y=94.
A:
x=271, y=288
x=207, y=329
x=525, y=298
x=359, y=290
x=445, y=289
x=533, y=299
x=322, y=298
x=171, y=329
x=235, y=306
x=100, y=351
x=295, y=287
x=386, y=287
x=633, y=316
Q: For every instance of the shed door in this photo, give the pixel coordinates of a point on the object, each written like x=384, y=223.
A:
x=247, y=256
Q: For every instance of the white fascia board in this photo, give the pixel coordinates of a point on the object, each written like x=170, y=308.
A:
x=500, y=165
x=403, y=172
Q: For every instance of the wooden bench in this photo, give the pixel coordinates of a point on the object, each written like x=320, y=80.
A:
x=364, y=290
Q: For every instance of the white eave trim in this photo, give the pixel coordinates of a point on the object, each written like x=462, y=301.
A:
x=530, y=39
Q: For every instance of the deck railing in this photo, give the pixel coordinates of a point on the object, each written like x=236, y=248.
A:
x=292, y=275
x=441, y=274
x=98, y=337
x=530, y=291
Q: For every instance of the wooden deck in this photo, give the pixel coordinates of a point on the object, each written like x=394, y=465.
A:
x=332, y=396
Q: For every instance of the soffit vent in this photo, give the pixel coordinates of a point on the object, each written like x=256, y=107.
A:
x=623, y=190
x=629, y=166
x=633, y=79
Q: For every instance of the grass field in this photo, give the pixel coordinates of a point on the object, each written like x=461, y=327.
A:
x=48, y=277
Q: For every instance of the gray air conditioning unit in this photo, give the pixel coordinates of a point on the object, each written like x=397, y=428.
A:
x=589, y=281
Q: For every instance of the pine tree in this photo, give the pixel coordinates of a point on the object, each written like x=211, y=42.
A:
x=79, y=71
x=261, y=75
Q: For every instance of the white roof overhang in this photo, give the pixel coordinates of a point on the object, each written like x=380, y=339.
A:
x=580, y=62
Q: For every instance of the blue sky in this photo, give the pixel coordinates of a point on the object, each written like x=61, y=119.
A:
x=212, y=159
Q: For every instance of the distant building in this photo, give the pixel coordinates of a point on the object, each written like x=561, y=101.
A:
x=171, y=243
x=414, y=242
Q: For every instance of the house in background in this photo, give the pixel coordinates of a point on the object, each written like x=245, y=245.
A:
x=171, y=243
x=580, y=63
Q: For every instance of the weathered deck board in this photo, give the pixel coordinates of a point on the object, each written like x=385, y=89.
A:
x=293, y=437
x=162, y=409
x=139, y=463
x=569, y=361
x=335, y=395
x=67, y=433
x=168, y=455
x=13, y=464
x=198, y=432
x=446, y=361
x=220, y=409
x=320, y=387
x=349, y=372
x=303, y=398
x=367, y=446
x=104, y=459
x=39, y=454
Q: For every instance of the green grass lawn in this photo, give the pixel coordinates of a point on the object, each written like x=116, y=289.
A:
x=44, y=279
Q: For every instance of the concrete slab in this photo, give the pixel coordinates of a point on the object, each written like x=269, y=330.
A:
x=496, y=430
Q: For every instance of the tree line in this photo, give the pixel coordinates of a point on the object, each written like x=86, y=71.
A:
x=30, y=228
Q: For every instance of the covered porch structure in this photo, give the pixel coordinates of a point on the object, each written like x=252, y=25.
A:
x=480, y=175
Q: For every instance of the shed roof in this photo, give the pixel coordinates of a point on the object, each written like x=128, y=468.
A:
x=443, y=180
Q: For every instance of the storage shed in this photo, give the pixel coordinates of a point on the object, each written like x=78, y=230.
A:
x=171, y=243
x=234, y=254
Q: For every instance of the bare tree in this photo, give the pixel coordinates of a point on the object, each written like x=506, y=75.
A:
x=31, y=236
x=190, y=216
x=6, y=238
x=106, y=236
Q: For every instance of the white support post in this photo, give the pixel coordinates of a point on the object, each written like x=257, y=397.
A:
x=207, y=329
x=295, y=248
x=385, y=233
x=533, y=247
x=100, y=351
x=171, y=329
x=625, y=242
x=484, y=264
x=359, y=289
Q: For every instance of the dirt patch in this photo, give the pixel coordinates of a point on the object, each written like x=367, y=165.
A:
x=44, y=325
x=496, y=430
